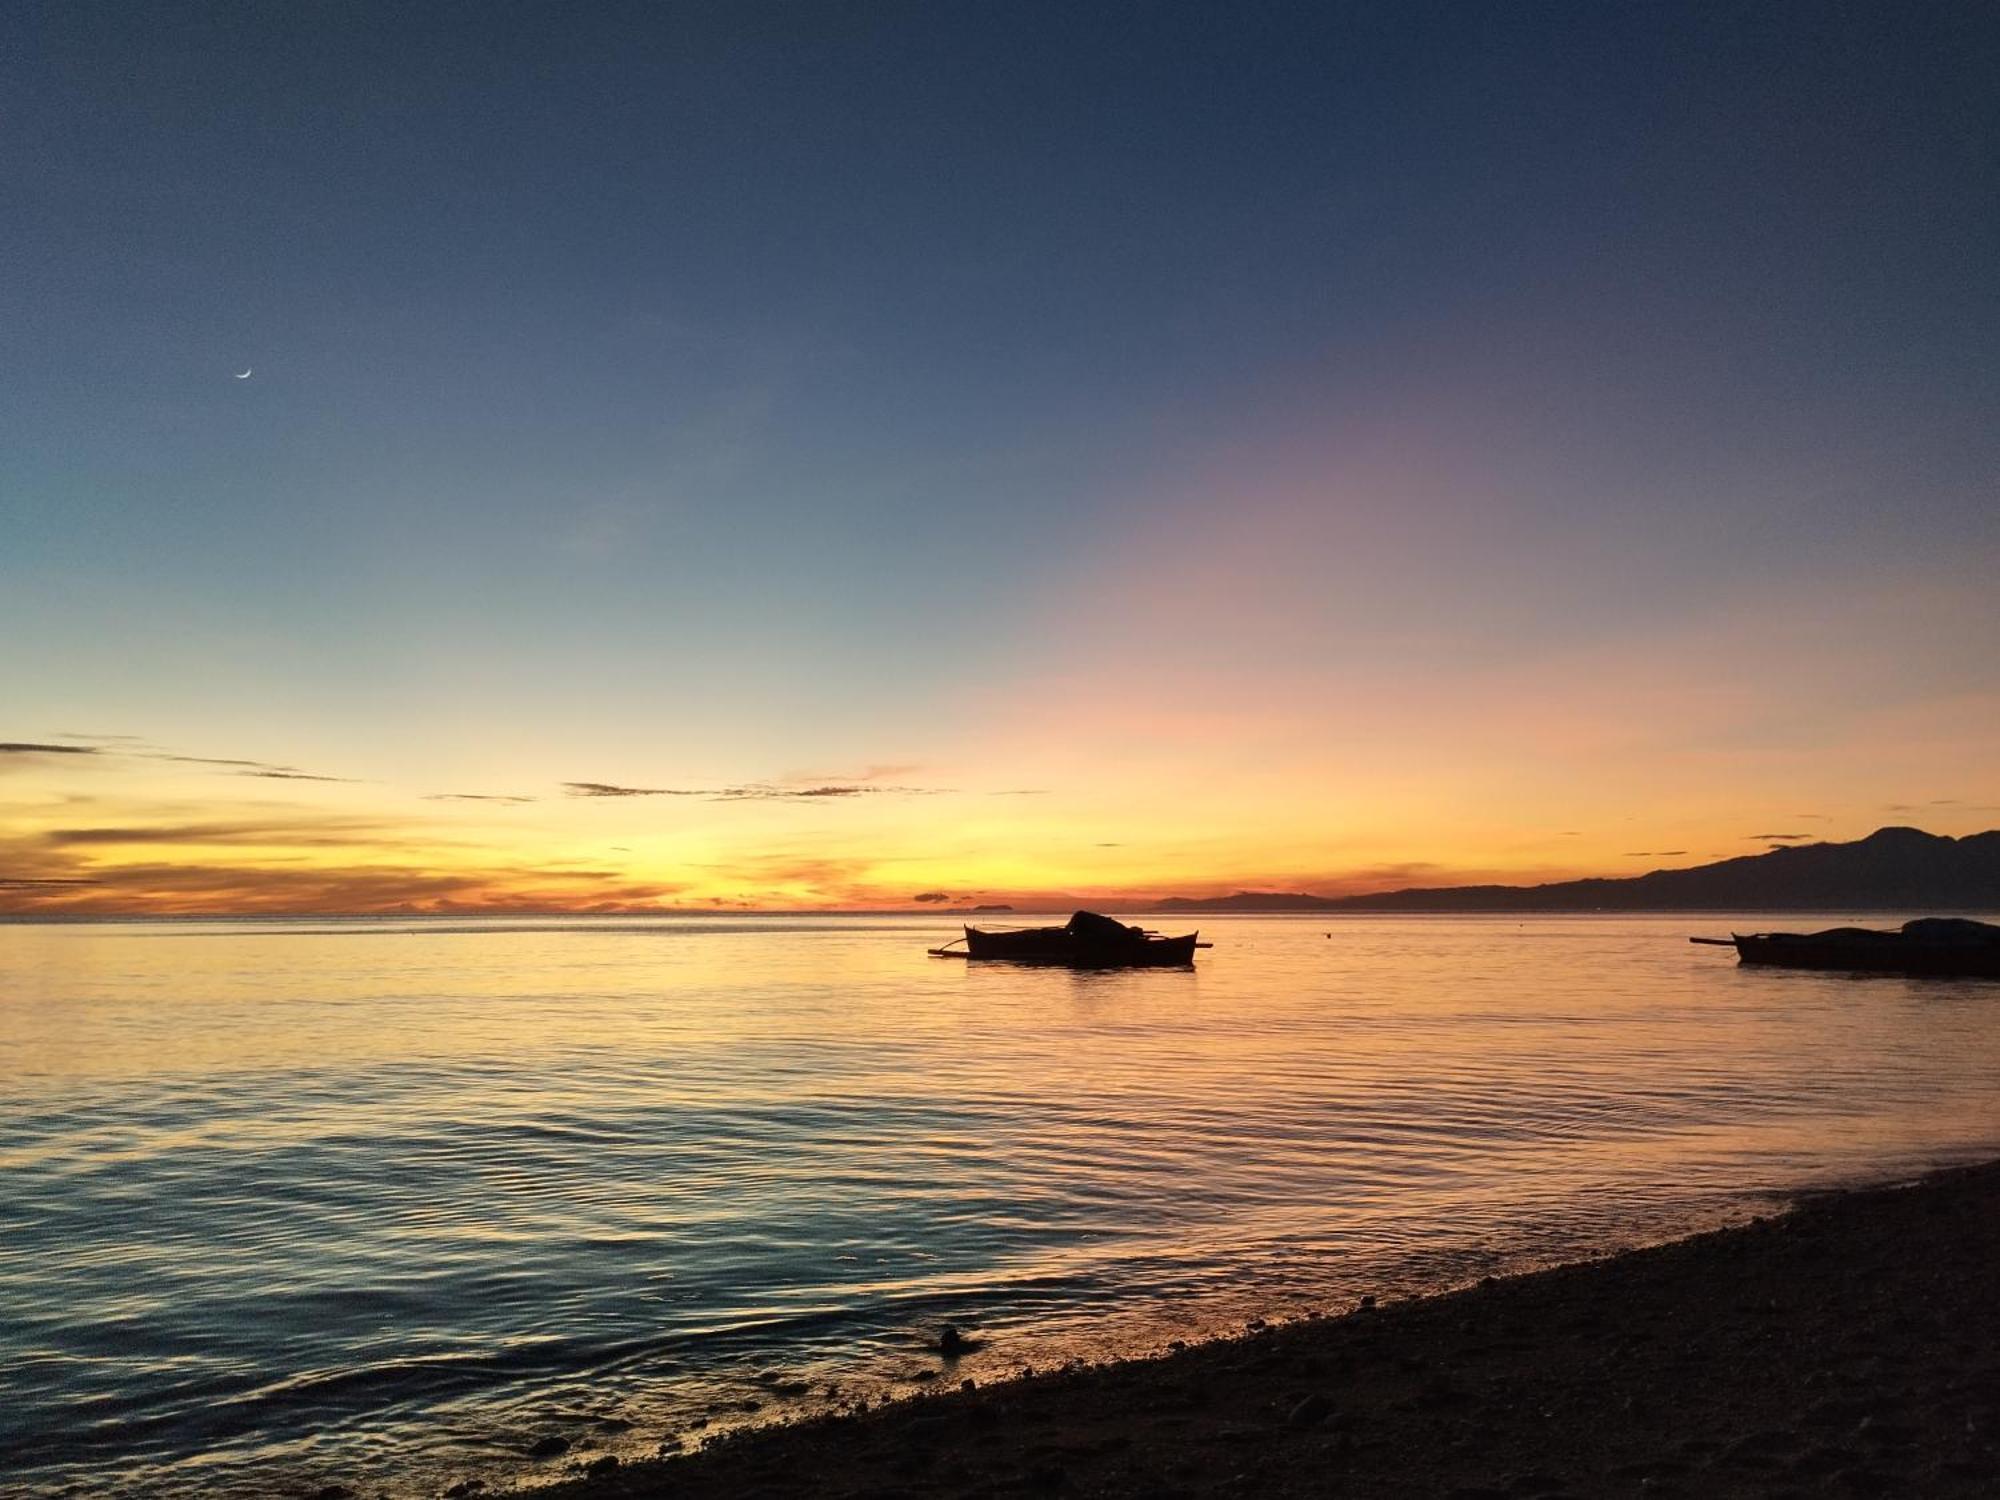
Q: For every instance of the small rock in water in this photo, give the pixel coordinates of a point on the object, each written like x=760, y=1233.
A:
x=602, y=1465
x=548, y=1447
x=465, y=1489
x=1368, y=1302
x=952, y=1342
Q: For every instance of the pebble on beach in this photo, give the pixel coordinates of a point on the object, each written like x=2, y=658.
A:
x=1310, y=1412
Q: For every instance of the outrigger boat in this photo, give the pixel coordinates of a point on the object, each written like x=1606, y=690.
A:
x=1929, y=945
x=1086, y=941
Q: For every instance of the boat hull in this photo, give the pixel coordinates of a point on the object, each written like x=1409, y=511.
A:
x=1887, y=954
x=1058, y=945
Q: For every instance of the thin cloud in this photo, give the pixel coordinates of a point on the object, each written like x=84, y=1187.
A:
x=1776, y=838
x=787, y=794
x=287, y=835
x=10, y=883
x=756, y=791
x=931, y=897
x=1654, y=853
x=784, y=794
x=606, y=789
x=473, y=797
x=129, y=746
x=887, y=771
x=765, y=792
x=210, y=760
x=268, y=770
x=189, y=889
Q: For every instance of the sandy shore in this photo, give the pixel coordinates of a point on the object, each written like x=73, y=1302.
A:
x=1851, y=1347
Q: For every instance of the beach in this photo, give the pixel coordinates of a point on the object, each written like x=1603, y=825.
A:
x=1848, y=1347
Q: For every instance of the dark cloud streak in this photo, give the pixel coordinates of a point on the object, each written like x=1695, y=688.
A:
x=757, y=791
x=606, y=789
x=361, y=889
x=124, y=746
x=321, y=836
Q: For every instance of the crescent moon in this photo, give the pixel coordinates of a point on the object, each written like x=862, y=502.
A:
x=245, y=375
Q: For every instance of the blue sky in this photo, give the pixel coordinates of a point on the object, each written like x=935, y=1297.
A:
x=736, y=375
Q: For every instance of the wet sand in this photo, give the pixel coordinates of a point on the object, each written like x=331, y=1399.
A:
x=1850, y=1347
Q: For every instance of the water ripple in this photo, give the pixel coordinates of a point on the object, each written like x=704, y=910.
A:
x=285, y=1202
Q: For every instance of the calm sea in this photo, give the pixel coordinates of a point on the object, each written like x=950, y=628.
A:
x=384, y=1201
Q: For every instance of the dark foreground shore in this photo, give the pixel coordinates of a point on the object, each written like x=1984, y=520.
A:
x=1851, y=1347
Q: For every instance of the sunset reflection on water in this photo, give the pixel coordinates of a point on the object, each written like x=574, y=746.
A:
x=419, y=1183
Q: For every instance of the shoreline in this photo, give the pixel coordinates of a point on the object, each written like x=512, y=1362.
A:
x=1848, y=1346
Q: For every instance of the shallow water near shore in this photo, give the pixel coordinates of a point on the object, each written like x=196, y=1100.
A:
x=384, y=1200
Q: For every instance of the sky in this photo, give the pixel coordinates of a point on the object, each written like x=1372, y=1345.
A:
x=830, y=456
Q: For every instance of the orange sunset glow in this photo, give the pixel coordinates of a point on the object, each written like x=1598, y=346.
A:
x=756, y=750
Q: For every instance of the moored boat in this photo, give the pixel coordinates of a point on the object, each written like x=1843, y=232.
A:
x=1953, y=946
x=1086, y=941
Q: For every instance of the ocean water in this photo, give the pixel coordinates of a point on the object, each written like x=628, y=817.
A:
x=383, y=1201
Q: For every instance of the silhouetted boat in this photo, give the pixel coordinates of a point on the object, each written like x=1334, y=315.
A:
x=1086, y=941
x=1929, y=945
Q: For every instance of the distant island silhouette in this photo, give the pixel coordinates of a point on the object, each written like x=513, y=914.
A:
x=1899, y=868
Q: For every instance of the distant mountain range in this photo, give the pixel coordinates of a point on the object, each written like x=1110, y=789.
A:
x=1902, y=869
